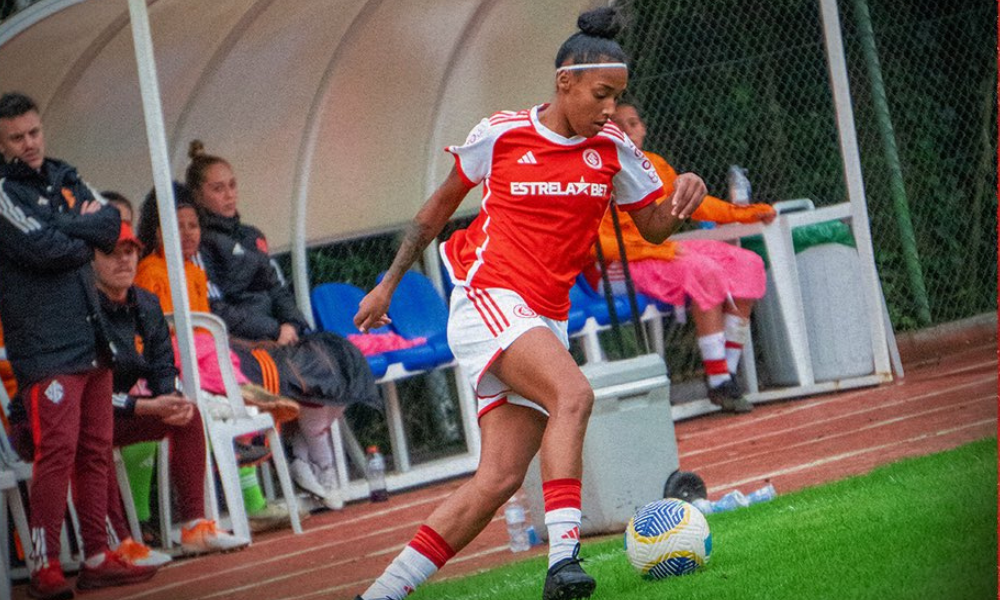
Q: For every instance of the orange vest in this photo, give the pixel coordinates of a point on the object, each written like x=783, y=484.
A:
x=637, y=248
x=7, y=373
x=152, y=275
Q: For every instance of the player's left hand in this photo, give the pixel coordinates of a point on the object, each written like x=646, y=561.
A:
x=372, y=309
x=689, y=191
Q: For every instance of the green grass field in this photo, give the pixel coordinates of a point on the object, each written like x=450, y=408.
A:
x=922, y=528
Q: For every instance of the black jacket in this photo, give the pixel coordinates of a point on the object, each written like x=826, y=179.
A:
x=145, y=350
x=48, y=302
x=244, y=288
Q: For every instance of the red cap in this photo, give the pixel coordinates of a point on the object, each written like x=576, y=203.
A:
x=126, y=235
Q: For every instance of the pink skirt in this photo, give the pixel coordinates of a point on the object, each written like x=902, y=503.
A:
x=208, y=363
x=706, y=271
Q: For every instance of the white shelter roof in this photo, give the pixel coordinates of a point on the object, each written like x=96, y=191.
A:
x=348, y=102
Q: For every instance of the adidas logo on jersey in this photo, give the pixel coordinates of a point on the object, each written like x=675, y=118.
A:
x=527, y=159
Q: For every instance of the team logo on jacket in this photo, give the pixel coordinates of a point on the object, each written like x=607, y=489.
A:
x=238, y=250
x=55, y=392
x=592, y=158
x=524, y=312
x=68, y=196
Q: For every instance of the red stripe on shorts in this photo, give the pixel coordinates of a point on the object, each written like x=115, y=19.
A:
x=730, y=344
x=493, y=302
x=479, y=296
x=561, y=493
x=481, y=313
x=429, y=543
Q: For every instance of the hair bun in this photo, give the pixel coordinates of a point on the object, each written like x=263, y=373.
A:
x=601, y=22
x=196, y=148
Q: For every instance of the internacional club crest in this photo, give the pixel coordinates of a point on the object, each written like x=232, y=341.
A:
x=54, y=392
x=524, y=312
x=592, y=158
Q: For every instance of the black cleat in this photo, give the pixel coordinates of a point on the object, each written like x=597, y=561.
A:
x=729, y=397
x=567, y=580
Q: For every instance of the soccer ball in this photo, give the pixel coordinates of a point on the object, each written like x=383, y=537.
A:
x=668, y=537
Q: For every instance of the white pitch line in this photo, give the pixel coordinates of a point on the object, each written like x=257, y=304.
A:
x=367, y=516
x=872, y=408
x=257, y=563
x=374, y=553
x=845, y=455
x=822, y=401
x=826, y=439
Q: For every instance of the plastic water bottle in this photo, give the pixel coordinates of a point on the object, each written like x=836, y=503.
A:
x=517, y=524
x=731, y=501
x=704, y=505
x=739, y=186
x=763, y=494
x=375, y=474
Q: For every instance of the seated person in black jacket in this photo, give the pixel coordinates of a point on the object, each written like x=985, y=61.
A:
x=147, y=404
x=321, y=370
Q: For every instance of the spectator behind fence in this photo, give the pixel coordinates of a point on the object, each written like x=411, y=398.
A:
x=321, y=370
x=50, y=224
x=722, y=280
x=148, y=406
x=152, y=276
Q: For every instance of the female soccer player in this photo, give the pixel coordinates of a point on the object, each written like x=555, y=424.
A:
x=548, y=174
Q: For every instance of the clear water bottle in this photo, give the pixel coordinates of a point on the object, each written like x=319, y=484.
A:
x=517, y=523
x=704, y=505
x=375, y=474
x=731, y=501
x=763, y=494
x=739, y=186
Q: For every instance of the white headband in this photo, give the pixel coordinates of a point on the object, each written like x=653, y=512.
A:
x=617, y=65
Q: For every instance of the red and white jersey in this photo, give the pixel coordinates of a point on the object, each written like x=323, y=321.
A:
x=543, y=199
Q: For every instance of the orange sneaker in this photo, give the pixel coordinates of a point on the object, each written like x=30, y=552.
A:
x=115, y=570
x=282, y=409
x=204, y=537
x=49, y=583
x=141, y=554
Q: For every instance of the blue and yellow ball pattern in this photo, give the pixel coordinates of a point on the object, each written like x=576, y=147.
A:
x=666, y=538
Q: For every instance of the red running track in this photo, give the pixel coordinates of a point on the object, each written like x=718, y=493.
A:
x=792, y=444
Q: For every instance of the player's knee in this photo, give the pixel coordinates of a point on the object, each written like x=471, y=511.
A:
x=575, y=403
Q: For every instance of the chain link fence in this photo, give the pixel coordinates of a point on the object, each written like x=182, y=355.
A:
x=729, y=82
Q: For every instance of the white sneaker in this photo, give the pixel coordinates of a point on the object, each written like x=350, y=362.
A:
x=217, y=407
x=204, y=537
x=305, y=477
x=332, y=499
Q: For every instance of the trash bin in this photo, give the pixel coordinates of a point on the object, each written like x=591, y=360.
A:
x=630, y=448
x=833, y=300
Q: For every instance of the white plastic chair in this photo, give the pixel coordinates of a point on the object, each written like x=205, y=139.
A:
x=10, y=499
x=223, y=432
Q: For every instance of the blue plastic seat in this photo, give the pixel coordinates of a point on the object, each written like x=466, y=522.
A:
x=417, y=310
x=334, y=306
x=597, y=307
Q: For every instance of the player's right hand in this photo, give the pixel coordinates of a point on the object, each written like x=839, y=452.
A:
x=372, y=310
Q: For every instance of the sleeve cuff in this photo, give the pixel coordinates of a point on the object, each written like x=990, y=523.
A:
x=458, y=167
x=646, y=201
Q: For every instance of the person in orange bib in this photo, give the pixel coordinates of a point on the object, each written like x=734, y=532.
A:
x=722, y=281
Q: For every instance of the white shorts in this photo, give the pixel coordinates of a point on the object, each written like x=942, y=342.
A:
x=482, y=324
